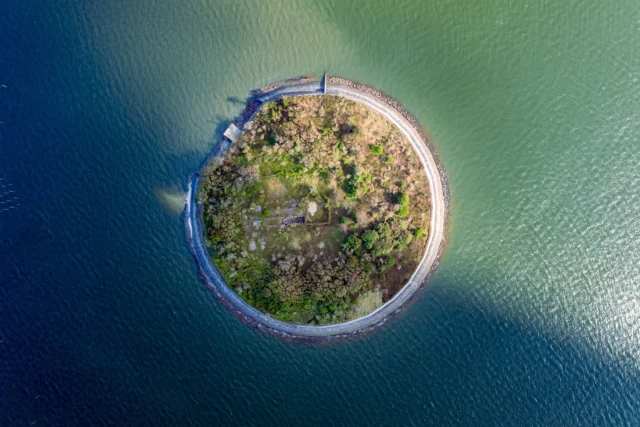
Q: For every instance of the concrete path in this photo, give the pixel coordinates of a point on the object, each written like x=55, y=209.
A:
x=382, y=314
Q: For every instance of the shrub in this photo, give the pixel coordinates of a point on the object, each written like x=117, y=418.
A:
x=350, y=187
x=369, y=237
x=266, y=213
x=405, y=238
x=403, y=185
x=346, y=220
x=322, y=309
x=352, y=245
x=404, y=211
x=356, y=182
x=385, y=242
x=403, y=199
x=376, y=149
x=383, y=229
x=389, y=159
x=418, y=232
x=382, y=247
x=390, y=261
x=349, y=129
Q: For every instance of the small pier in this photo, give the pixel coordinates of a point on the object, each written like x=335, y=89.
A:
x=232, y=133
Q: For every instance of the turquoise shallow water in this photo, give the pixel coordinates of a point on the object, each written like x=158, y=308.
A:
x=532, y=318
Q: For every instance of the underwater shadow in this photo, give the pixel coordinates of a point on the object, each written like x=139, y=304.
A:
x=463, y=365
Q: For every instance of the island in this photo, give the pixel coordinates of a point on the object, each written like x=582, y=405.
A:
x=317, y=210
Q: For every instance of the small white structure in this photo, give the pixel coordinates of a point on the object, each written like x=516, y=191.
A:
x=312, y=208
x=232, y=132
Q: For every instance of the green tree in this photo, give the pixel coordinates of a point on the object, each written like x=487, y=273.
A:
x=352, y=245
x=369, y=238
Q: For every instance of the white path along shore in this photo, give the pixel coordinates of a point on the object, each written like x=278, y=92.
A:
x=193, y=223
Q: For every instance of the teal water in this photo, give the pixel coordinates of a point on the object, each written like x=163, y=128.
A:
x=532, y=318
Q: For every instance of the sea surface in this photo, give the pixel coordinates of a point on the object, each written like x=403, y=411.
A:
x=532, y=318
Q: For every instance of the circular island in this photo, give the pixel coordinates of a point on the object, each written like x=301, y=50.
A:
x=321, y=212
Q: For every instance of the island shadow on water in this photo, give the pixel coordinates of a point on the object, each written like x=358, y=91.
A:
x=420, y=143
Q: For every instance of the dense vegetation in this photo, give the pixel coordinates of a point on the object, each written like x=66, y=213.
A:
x=318, y=213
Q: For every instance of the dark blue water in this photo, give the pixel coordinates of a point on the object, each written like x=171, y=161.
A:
x=104, y=320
